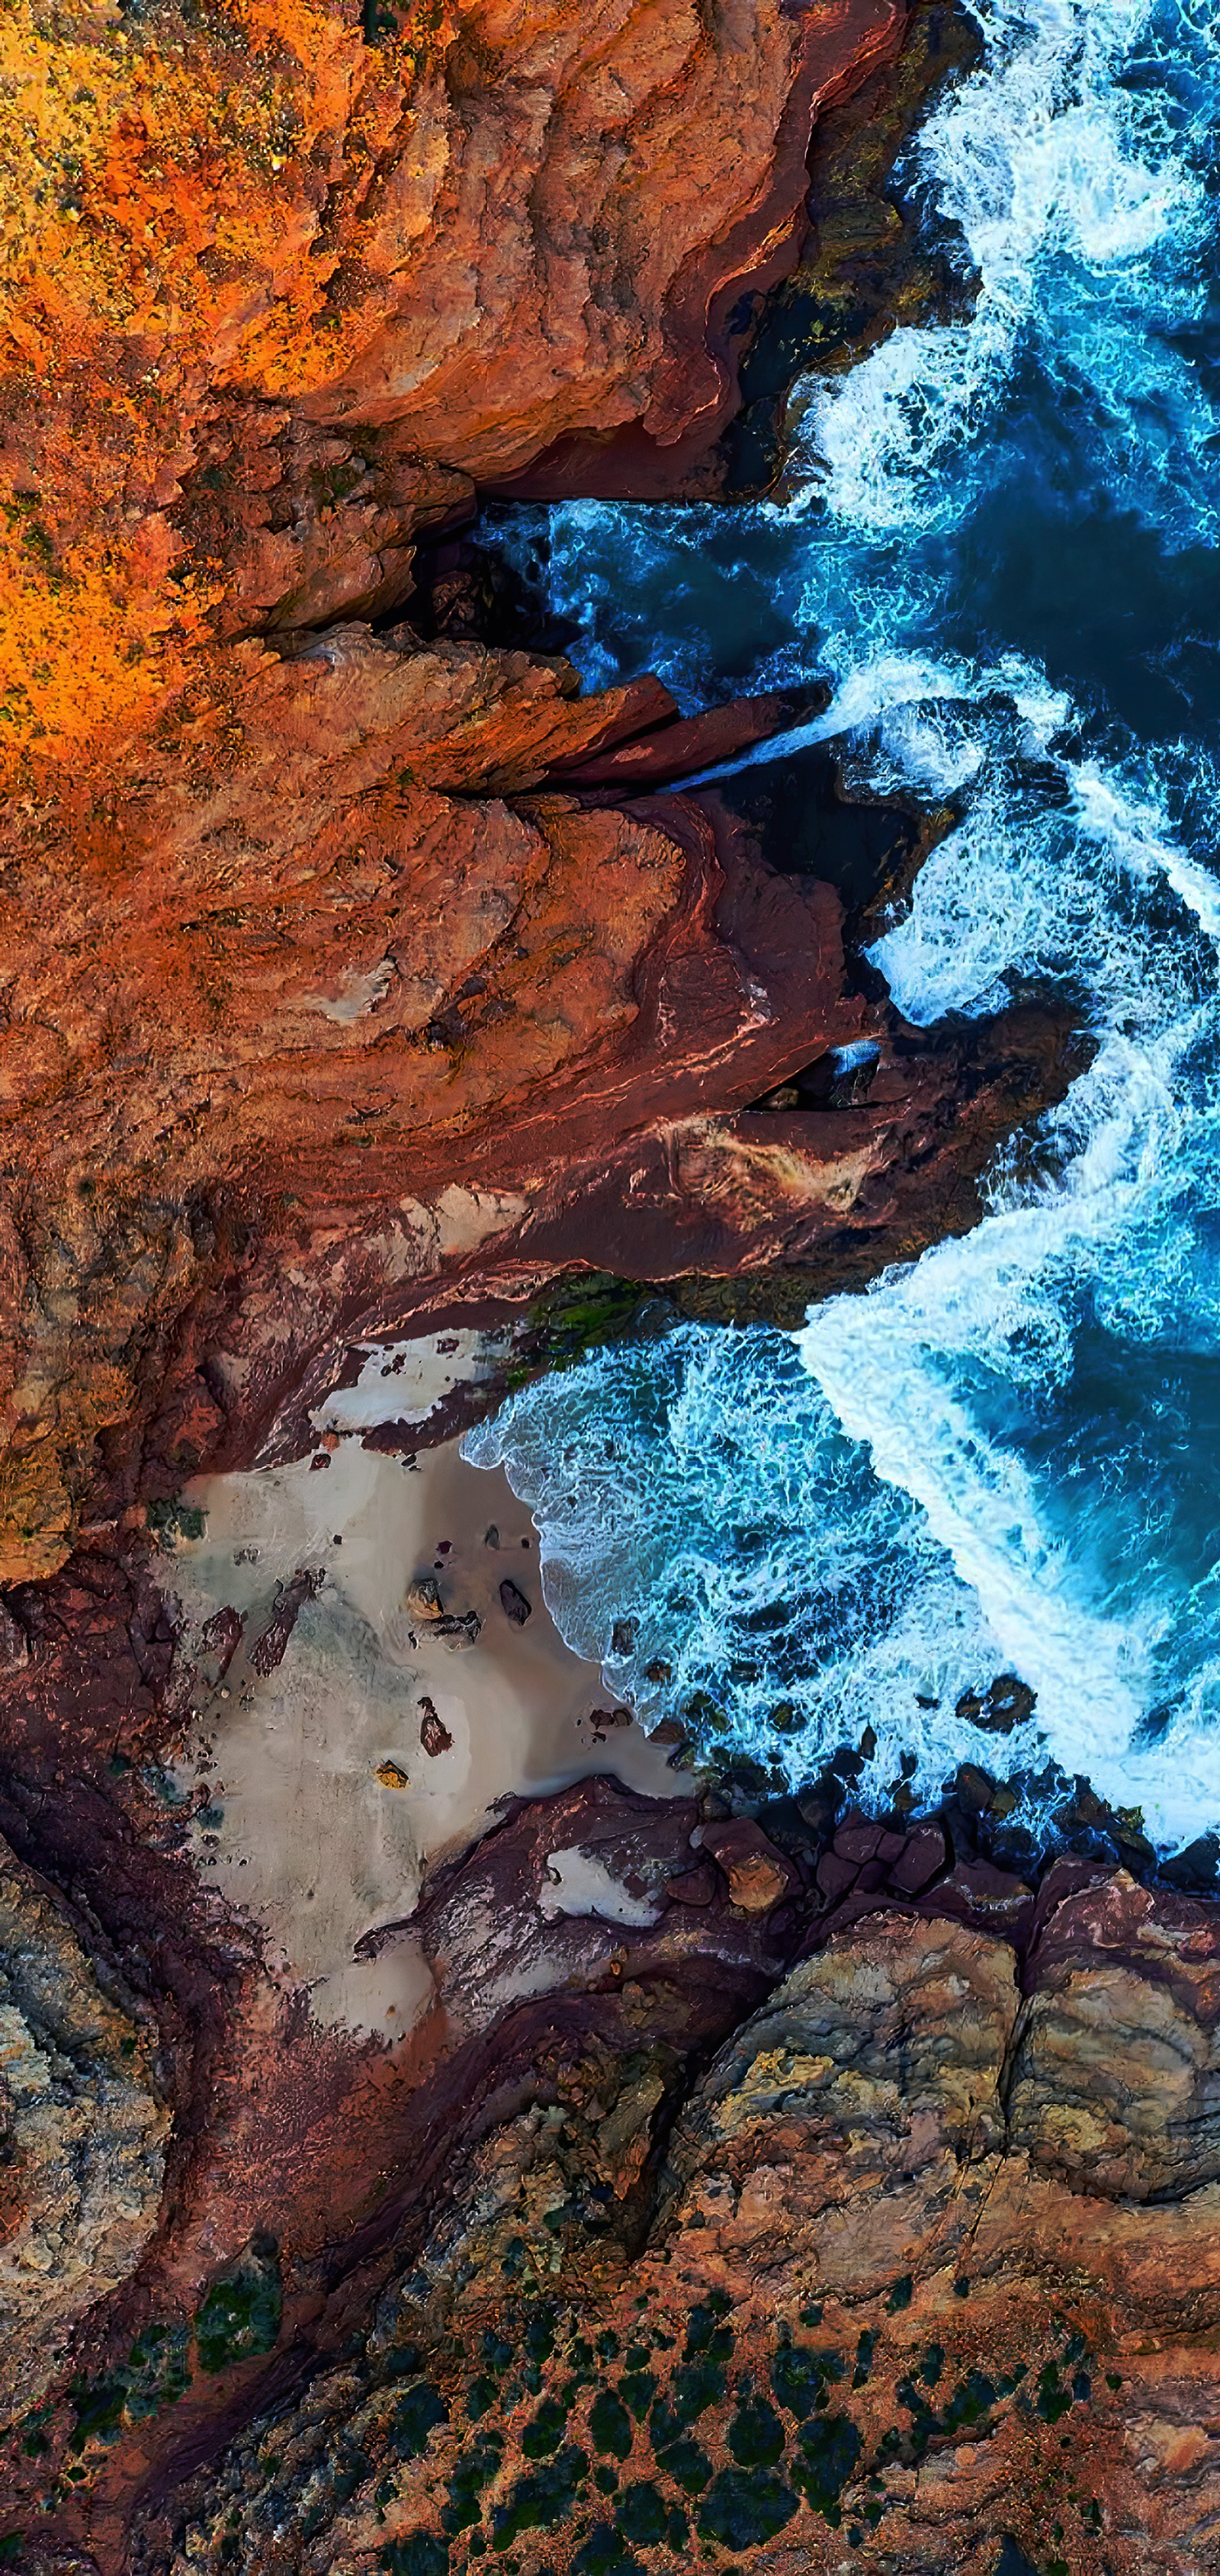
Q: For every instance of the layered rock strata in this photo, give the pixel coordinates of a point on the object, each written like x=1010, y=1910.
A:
x=306, y=918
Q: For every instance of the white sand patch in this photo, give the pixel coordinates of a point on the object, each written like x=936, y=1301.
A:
x=389, y=1993
x=405, y=1381
x=580, y=1883
x=325, y=1803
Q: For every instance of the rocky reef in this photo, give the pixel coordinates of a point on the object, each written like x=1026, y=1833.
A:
x=758, y=2181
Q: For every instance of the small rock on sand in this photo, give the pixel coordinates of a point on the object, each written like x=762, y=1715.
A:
x=461, y=1631
x=514, y=1604
x=433, y=1734
x=424, y=1598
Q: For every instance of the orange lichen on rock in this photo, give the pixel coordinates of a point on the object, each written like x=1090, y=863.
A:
x=476, y=224
x=147, y=232
x=270, y=294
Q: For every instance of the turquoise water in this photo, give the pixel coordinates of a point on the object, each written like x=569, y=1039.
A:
x=1001, y=549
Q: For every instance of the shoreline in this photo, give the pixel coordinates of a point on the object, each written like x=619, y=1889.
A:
x=374, y=1673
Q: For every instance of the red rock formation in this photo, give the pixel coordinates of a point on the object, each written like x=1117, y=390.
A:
x=268, y=913
x=340, y=981
x=345, y=977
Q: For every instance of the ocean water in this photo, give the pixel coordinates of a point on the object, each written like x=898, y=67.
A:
x=1000, y=546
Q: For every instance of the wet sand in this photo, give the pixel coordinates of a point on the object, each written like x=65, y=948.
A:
x=325, y=1802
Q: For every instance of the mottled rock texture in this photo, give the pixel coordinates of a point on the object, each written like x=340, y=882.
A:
x=867, y=2313
x=82, y=2133
x=812, y=2234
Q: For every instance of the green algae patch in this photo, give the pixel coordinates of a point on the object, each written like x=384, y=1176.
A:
x=610, y=2424
x=422, y=2553
x=829, y=2452
x=482, y=2394
x=155, y=2374
x=694, y=2387
x=705, y=2331
x=605, y=2549
x=572, y=1317
x=637, y=2390
x=475, y=2470
x=539, y=2337
x=801, y=2378
x=241, y=2312
x=545, y=2430
x=688, y=2466
x=642, y=2514
x=756, y=2436
x=1053, y=2399
x=746, y=2507
x=538, y=2502
x=419, y=2410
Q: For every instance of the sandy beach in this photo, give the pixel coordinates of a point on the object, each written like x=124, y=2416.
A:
x=378, y=1741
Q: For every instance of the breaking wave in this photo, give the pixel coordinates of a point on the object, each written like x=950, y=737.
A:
x=1000, y=547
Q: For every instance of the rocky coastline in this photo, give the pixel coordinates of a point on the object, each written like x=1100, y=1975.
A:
x=824, y=2189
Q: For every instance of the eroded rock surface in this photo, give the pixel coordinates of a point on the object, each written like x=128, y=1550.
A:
x=750, y=2183
x=310, y=925
x=1116, y=2081
x=851, y=2316
x=82, y=2134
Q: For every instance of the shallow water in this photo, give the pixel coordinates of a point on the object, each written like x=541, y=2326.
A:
x=1001, y=547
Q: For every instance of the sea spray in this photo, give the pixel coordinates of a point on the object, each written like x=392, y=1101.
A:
x=1066, y=168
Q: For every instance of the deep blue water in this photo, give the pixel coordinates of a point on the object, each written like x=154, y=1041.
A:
x=1001, y=548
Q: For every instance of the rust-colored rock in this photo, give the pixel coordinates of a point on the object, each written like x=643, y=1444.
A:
x=758, y=1875
x=276, y=291
x=276, y=295
x=858, y=2313
x=434, y=1735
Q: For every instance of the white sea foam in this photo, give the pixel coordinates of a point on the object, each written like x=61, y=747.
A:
x=981, y=1462
x=753, y=1555
x=1064, y=189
